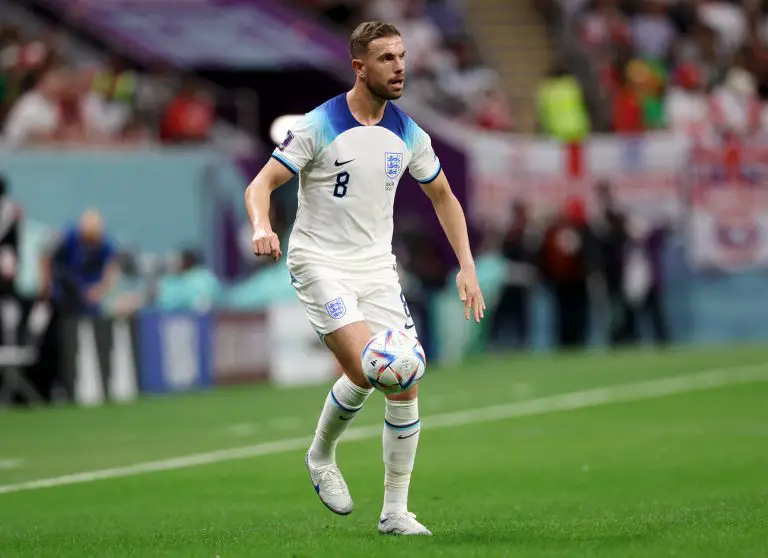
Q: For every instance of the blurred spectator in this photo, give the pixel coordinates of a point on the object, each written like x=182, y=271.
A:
x=115, y=83
x=627, y=113
x=562, y=111
x=466, y=79
x=649, y=80
x=44, y=102
x=735, y=107
x=493, y=112
x=611, y=234
x=37, y=115
x=188, y=117
x=10, y=222
x=107, y=98
x=513, y=309
x=567, y=258
x=603, y=27
x=189, y=286
x=701, y=47
x=651, y=30
x=80, y=267
x=727, y=19
x=712, y=47
x=687, y=106
x=642, y=281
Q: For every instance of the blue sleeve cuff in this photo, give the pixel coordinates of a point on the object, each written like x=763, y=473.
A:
x=286, y=163
x=431, y=178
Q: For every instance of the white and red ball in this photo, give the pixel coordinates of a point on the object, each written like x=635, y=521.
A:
x=393, y=361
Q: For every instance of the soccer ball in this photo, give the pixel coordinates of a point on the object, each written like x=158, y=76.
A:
x=393, y=361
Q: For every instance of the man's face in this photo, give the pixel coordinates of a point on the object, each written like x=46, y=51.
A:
x=384, y=67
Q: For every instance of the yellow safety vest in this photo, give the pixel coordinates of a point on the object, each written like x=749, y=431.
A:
x=561, y=109
x=122, y=91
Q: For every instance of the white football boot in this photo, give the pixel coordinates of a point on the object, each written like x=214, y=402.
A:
x=330, y=486
x=403, y=523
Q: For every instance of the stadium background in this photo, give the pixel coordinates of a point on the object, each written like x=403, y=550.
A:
x=603, y=150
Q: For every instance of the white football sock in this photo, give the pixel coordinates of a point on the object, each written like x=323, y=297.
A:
x=341, y=406
x=400, y=440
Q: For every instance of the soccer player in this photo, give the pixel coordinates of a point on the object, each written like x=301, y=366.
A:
x=350, y=154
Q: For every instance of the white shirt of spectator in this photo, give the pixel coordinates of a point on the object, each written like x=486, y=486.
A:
x=33, y=114
x=741, y=114
x=103, y=117
x=686, y=110
x=728, y=19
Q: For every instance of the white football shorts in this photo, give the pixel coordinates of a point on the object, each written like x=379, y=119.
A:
x=336, y=301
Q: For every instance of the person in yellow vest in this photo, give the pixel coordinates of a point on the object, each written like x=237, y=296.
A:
x=115, y=83
x=562, y=112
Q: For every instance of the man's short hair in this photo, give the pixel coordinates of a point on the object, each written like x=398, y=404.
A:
x=369, y=31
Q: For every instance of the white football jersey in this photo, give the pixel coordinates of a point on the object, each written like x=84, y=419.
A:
x=348, y=175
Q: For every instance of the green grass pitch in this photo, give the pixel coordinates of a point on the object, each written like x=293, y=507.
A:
x=641, y=475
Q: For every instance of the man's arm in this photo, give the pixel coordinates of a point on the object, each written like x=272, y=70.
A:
x=451, y=217
x=46, y=279
x=51, y=257
x=273, y=175
x=111, y=272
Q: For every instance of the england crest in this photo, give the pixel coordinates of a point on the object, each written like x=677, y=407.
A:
x=393, y=164
x=336, y=308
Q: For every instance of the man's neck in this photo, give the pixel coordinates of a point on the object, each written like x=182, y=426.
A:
x=364, y=106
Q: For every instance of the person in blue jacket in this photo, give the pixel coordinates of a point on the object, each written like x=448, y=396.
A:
x=80, y=267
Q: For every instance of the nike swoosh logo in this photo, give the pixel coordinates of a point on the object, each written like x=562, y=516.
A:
x=336, y=162
x=342, y=417
x=409, y=326
x=401, y=437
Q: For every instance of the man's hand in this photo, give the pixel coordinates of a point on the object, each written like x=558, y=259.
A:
x=266, y=243
x=469, y=293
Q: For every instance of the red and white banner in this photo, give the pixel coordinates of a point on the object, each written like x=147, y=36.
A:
x=643, y=173
x=721, y=190
x=728, y=211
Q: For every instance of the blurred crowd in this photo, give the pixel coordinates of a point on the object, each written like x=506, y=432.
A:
x=602, y=269
x=691, y=66
x=46, y=99
x=608, y=259
x=444, y=67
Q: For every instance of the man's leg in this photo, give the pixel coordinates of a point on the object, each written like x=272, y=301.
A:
x=655, y=306
x=385, y=307
x=342, y=405
x=400, y=441
x=347, y=395
x=333, y=312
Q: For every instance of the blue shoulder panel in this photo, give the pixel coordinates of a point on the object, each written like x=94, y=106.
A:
x=333, y=118
x=401, y=124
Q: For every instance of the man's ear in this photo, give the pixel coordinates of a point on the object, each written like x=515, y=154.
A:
x=359, y=68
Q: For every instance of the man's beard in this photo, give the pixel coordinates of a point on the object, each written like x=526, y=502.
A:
x=383, y=92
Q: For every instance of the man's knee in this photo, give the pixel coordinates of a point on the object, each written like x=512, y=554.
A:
x=347, y=344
